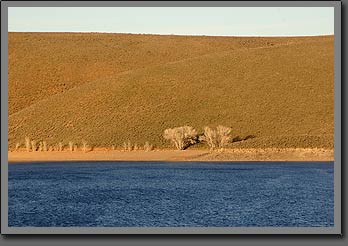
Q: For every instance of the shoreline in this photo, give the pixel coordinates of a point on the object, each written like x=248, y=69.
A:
x=267, y=154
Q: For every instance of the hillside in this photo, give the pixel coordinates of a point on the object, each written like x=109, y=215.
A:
x=110, y=88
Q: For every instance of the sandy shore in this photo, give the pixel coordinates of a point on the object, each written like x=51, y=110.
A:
x=290, y=154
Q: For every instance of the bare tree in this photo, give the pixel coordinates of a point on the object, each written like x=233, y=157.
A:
x=27, y=144
x=223, y=133
x=33, y=145
x=218, y=138
x=182, y=137
x=210, y=136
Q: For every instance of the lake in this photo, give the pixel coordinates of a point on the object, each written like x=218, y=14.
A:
x=171, y=194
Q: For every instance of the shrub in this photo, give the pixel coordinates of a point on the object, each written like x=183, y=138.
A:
x=44, y=147
x=60, y=146
x=71, y=146
x=135, y=147
x=129, y=146
x=40, y=146
x=84, y=145
x=125, y=146
x=17, y=146
x=33, y=145
x=27, y=144
x=148, y=146
x=182, y=137
x=218, y=138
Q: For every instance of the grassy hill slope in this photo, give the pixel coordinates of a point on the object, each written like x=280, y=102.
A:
x=278, y=89
x=43, y=64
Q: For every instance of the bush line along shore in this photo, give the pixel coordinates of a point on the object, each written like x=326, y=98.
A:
x=182, y=138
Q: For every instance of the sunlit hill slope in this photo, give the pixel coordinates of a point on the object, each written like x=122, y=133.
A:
x=111, y=88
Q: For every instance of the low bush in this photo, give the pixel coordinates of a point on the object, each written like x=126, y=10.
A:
x=18, y=145
x=84, y=146
x=60, y=146
x=33, y=145
x=44, y=146
x=27, y=144
x=148, y=146
x=40, y=146
x=71, y=146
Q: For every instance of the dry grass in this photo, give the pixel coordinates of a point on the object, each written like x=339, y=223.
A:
x=57, y=62
x=278, y=89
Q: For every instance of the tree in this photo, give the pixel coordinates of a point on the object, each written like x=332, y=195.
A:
x=182, y=137
x=218, y=138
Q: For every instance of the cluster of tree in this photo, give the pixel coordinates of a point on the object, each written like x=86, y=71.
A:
x=184, y=136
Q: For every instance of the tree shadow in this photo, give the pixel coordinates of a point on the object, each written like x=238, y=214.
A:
x=239, y=138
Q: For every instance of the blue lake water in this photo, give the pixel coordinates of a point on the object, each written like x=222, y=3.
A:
x=176, y=194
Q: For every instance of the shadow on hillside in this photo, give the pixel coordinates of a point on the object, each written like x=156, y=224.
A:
x=239, y=139
x=235, y=139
